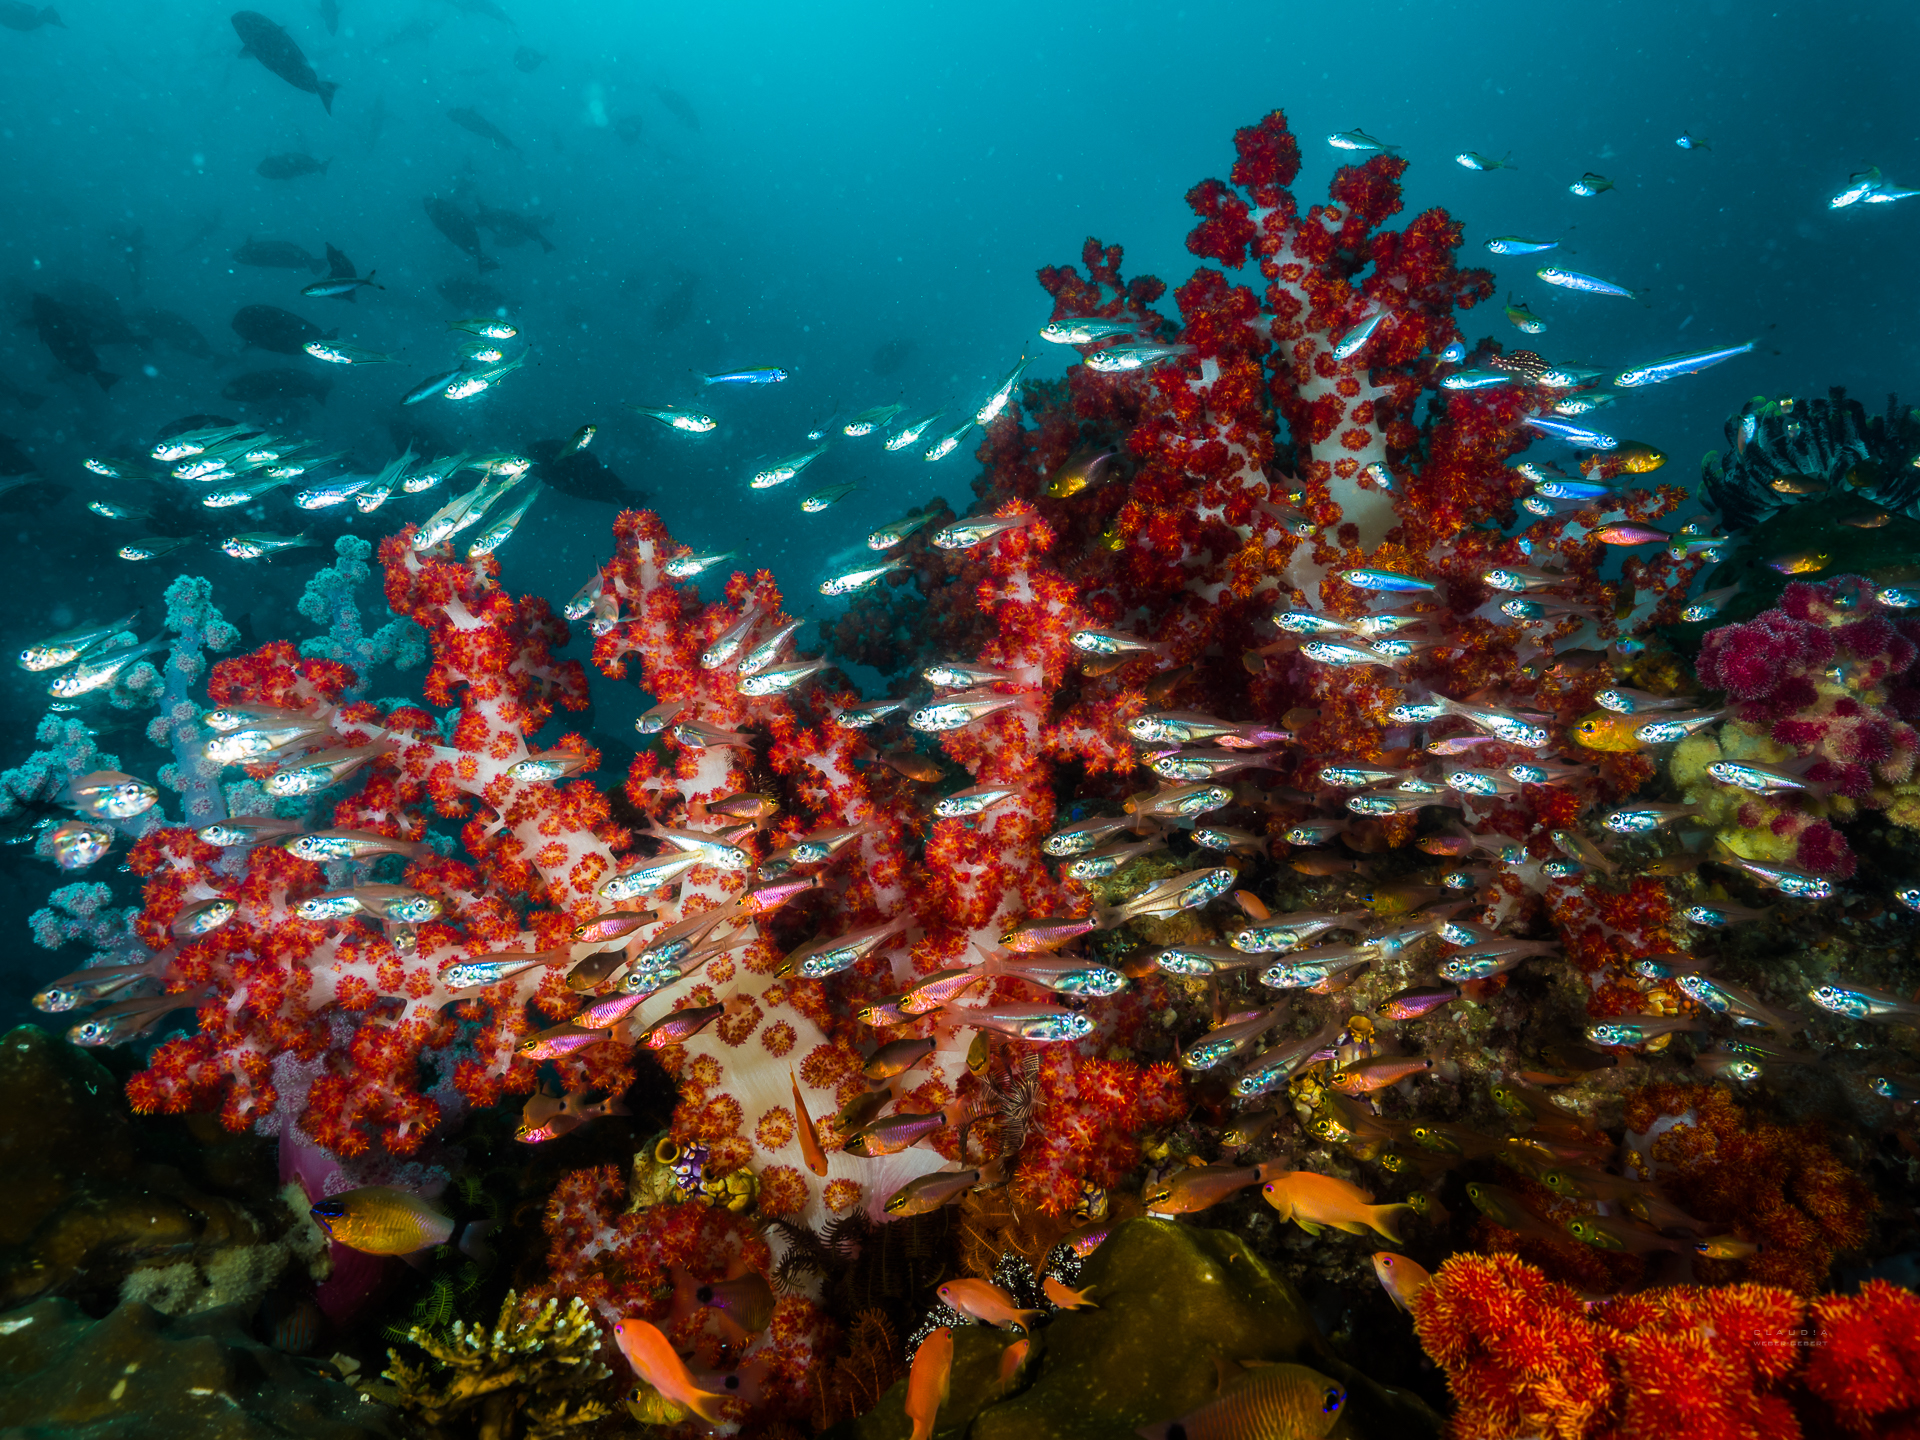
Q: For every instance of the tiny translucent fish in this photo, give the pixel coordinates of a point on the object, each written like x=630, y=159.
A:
x=868, y=421
x=965, y=534
x=1585, y=284
x=152, y=548
x=1086, y=332
x=946, y=444
x=76, y=844
x=956, y=712
x=1476, y=380
x=260, y=545
x=1388, y=581
x=1524, y=320
x=1518, y=245
x=485, y=326
x=821, y=500
x=1898, y=597
x=1590, y=184
x=911, y=432
x=1859, y=186
x=692, y=422
x=1630, y=532
x=1856, y=1002
x=1002, y=395
x=778, y=679
x=110, y=795
x=1355, y=340
x=685, y=567
x=335, y=353
x=1123, y=359
x=888, y=536
x=1358, y=142
x=1474, y=160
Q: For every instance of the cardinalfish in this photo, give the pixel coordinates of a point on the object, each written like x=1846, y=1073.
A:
x=548, y=1117
x=1265, y=1402
x=747, y=1300
x=1196, y=1188
x=383, y=1220
x=927, y=1193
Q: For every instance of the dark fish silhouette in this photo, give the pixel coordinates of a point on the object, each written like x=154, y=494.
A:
x=580, y=475
x=627, y=127
x=64, y=331
x=13, y=460
x=343, y=279
x=682, y=110
x=18, y=15
x=25, y=399
x=330, y=13
x=454, y=223
x=274, y=48
x=485, y=8
x=470, y=296
x=99, y=314
x=527, y=59
x=177, y=332
x=892, y=357
x=268, y=327
x=282, y=383
x=510, y=227
x=277, y=255
x=291, y=166
x=474, y=121
x=671, y=310
x=205, y=232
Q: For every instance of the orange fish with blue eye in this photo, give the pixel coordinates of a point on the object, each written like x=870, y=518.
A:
x=1604, y=730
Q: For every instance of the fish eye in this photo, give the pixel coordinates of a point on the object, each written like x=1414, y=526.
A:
x=1332, y=1400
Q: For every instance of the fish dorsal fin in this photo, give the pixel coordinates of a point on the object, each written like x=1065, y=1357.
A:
x=338, y=264
x=1226, y=1372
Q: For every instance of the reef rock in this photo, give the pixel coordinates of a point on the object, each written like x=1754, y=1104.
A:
x=137, y=1376
x=1173, y=1300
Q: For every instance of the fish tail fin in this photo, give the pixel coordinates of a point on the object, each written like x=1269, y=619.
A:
x=1386, y=1219
x=47, y=17
x=348, y=297
x=473, y=1243
x=325, y=163
x=327, y=87
x=546, y=246
x=370, y=275
x=105, y=380
x=702, y=377
x=704, y=1403
x=1025, y=1318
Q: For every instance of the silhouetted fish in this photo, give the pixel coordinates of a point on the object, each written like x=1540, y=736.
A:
x=268, y=327
x=291, y=166
x=274, y=48
x=330, y=13
x=579, y=474
x=283, y=383
x=25, y=399
x=13, y=460
x=205, y=232
x=454, y=223
x=277, y=255
x=18, y=15
x=510, y=227
x=627, y=127
x=473, y=120
x=670, y=312
x=892, y=357
x=178, y=332
x=527, y=59
x=64, y=332
x=487, y=8
x=678, y=104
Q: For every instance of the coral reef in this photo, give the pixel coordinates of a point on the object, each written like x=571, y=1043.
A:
x=533, y=1372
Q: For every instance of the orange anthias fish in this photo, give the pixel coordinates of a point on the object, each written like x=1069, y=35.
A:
x=1199, y=1188
x=1401, y=1278
x=986, y=1301
x=929, y=1380
x=1313, y=1201
x=1065, y=1298
x=810, y=1150
x=381, y=1220
x=657, y=1363
x=1268, y=1402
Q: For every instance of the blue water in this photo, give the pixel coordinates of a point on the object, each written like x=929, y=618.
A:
x=861, y=194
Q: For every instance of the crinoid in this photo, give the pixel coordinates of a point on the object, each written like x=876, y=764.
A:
x=1784, y=452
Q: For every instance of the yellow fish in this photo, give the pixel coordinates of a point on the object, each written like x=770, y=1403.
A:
x=380, y=1220
x=1802, y=562
x=1314, y=1201
x=1267, y=1402
x=1604, y=730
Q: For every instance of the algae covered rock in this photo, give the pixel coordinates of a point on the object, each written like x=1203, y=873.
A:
x=135, y=1375
x=1174, y=1301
